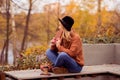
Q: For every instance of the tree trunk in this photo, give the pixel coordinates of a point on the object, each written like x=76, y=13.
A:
x=26, y=28
x=14, y=35
x=7, y=30
x=47, y=11
x=2, y=54
x=1, y=2
x=99, y=17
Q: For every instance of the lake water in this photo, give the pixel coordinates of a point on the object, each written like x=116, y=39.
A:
x=10, y=56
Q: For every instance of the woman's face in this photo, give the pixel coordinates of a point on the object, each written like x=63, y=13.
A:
x=60, y=26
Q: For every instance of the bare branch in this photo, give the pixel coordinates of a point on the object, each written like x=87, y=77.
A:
x=19, y=6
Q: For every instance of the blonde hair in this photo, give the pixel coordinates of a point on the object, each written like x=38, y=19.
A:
x=66, y=35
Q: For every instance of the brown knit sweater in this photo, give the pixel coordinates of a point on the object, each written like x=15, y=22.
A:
x=72, y=48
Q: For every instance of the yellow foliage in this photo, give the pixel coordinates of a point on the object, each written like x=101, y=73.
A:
x=35, y=50
x=110, y=31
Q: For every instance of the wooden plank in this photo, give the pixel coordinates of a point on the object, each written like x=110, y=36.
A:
x=32, y=74
x=87, y=70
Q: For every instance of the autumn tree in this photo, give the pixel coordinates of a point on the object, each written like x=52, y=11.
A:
x=7, y=29
x=99, y=17
x=117, y=19
x=27, y=26
x=14, y=33
x=6, y=5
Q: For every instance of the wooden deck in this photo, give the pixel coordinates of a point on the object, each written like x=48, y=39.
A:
x=87, y=70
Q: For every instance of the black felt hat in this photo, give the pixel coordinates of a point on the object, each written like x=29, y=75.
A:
x=67, y=22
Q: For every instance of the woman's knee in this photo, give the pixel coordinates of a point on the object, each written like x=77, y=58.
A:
x=50, y=52
x=63, y=55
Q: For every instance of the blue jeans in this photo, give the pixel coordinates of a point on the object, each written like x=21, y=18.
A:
x=62, y=59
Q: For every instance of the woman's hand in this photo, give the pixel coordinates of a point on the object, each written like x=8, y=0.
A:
x=58, y=41
x=53, y=41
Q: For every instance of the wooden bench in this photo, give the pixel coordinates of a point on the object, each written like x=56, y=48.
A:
x=95, y=70
x=2, y=76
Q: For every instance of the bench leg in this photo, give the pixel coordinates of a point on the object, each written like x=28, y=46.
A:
x=77, y=77
x=44, y=79
x=2, y=76
x=61, y=78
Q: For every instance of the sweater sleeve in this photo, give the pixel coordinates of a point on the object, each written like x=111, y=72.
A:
x=75, y=47
x=57, y=35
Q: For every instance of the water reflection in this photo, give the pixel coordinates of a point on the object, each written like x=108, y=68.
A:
x=10, y=57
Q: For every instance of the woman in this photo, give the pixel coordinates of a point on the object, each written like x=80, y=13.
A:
x=66, y=49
